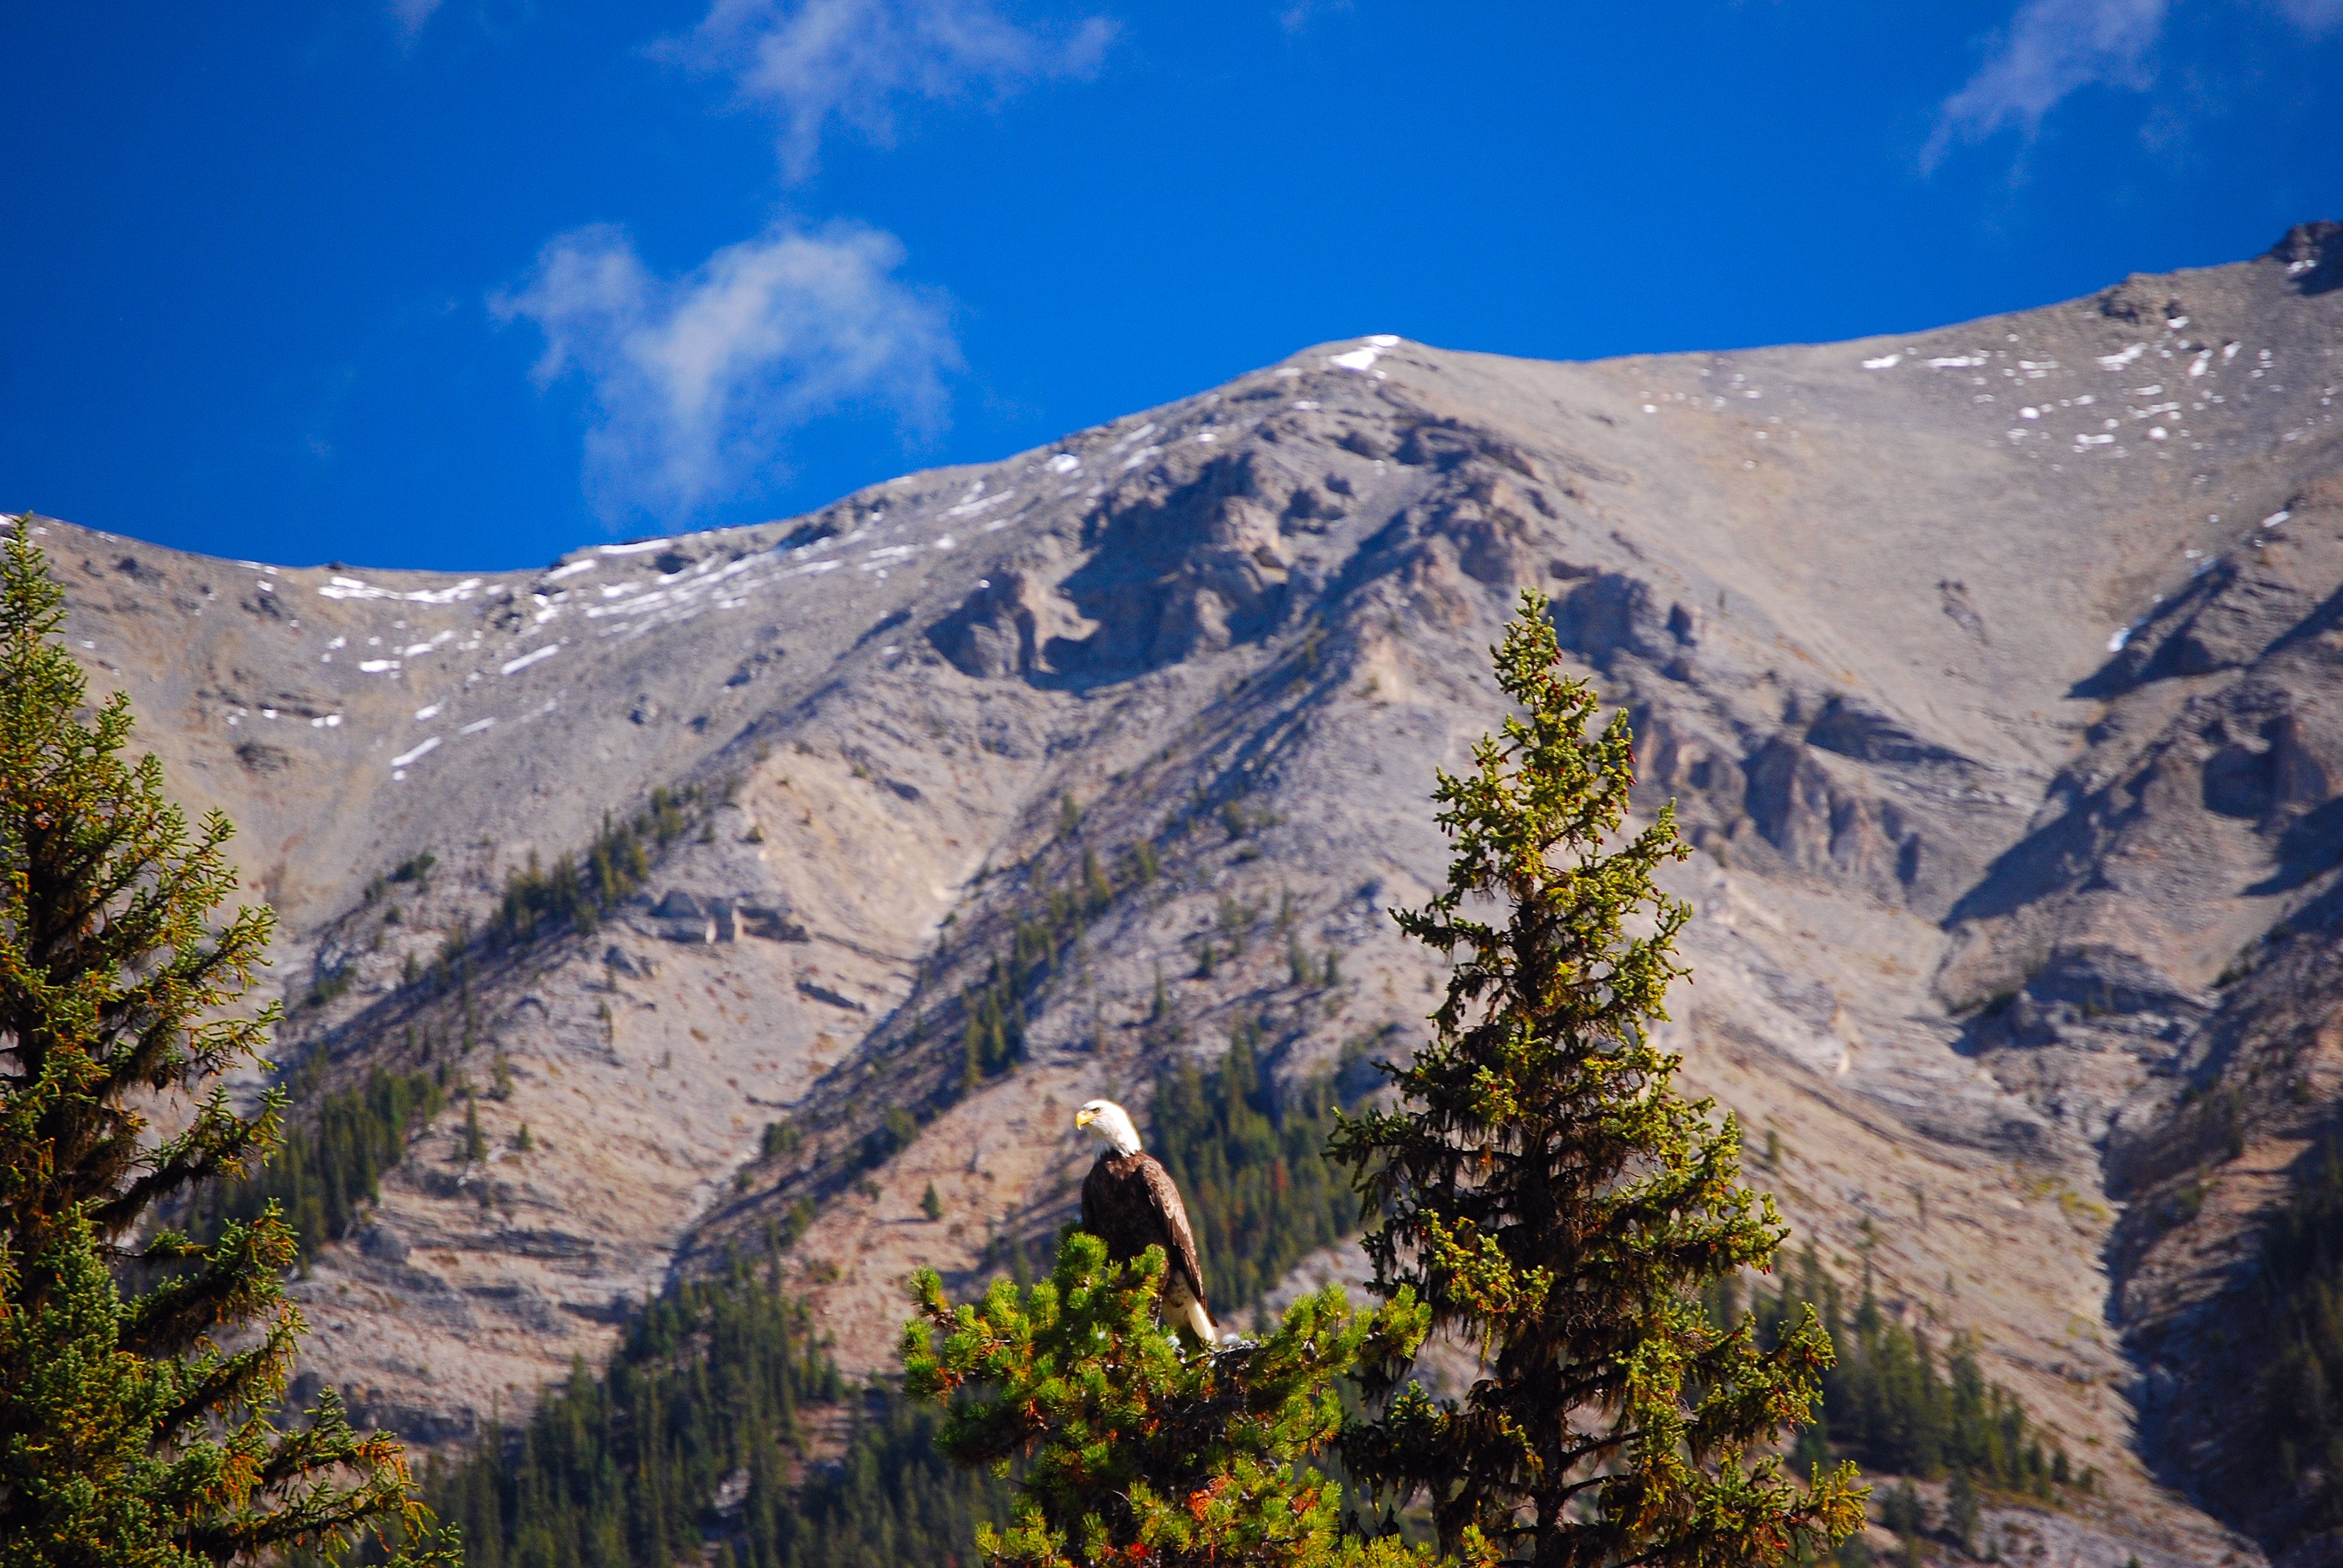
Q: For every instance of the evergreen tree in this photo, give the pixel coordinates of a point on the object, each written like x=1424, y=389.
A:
x=1551, y=1198
x=712, y=1391
x=1133, y=1452
x=2286, y=1317
x=129, y=1433
x=1963, y=1512
x=1888, y=1404
x=321, y=1176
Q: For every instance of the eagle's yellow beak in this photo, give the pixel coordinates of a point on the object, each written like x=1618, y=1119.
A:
x=1082, y=1118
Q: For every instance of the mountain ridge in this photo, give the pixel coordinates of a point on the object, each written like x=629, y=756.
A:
x=1990, y=666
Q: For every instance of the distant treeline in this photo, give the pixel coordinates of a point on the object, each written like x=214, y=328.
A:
x=2295, y=1406
x=322, y=1174
x=702, y=1432
x=1040, y=930
x=1895, y=1402
x=577, y=891
x=1252, y=1167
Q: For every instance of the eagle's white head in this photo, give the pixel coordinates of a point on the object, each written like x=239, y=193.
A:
x=1111, y=1123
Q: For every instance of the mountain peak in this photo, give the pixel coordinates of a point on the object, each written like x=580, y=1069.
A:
x=1989, y=668
x=2313, y=255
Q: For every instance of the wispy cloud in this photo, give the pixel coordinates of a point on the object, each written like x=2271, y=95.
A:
x=2050, y=49
x=2313, y=16
x=697, y=380
x=2055, y=49
x=816, y=65
x=1298, y=14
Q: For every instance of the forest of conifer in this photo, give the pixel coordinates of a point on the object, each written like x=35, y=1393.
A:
x=2293, y=1313
x=326, y=1171
x=1897, y=1403
x=718, y=1425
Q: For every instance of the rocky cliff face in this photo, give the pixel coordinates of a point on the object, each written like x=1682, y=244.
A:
x=1993, y=670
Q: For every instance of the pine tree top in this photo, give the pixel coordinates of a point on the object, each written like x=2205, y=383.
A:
x=1550, y=1197
x=1133, y=1451
x=113, y=980
x=130, y=1432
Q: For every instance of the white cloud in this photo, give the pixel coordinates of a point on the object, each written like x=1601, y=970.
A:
x=2053, y=48
x=854, y=63
x=697, y=380
x=411, y=14
x=2050, y=49
x=1297, y=17
x=2313, y=16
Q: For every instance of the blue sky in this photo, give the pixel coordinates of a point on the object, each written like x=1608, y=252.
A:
x=468, y=283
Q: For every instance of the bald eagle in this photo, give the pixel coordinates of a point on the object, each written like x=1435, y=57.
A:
x=1128, y=1201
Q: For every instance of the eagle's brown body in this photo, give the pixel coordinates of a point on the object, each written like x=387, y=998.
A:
x=1128, y=1201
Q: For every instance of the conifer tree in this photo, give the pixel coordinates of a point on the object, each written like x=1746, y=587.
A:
x=141, y=1371
x=1550, y=1198
x=1135, y=1452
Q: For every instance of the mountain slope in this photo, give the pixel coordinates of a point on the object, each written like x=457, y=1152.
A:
x=1991, y=668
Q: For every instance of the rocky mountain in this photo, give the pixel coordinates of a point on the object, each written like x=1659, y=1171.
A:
x=1993, y=670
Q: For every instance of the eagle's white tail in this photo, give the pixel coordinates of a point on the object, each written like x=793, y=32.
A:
x=1182, y=1307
